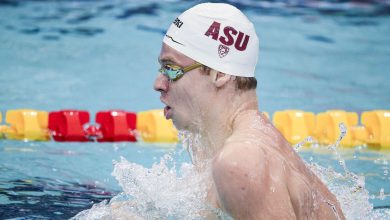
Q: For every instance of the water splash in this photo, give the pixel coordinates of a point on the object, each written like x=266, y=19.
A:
x=349, y=188
x=166, y=191
x=308, y=139
x=160, y=192
x=188, y=141
x=334, y=147
x=154, y=193
x=351, y=194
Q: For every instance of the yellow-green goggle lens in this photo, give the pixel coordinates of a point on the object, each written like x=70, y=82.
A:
x=172, y=72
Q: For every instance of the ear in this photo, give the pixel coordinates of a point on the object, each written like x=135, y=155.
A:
x=219, y=79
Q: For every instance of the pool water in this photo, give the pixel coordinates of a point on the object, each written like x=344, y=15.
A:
x=99, y=55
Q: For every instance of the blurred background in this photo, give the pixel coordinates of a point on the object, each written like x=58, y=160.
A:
x=94, y=55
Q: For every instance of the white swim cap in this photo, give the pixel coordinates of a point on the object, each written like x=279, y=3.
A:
x=217, y=35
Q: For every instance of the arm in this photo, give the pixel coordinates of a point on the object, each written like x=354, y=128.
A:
x=250, y=185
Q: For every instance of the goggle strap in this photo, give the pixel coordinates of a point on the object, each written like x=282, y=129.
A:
x=191, y=67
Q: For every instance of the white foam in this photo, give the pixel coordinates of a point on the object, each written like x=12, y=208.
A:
x=165, y=192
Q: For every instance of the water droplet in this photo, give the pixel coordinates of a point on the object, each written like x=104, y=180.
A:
x=343, y=131
x=382, y=194
x=116, y=147
x=308, y=139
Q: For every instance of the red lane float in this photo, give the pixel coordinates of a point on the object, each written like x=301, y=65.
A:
x=119, y=125
x=68, y=125
x=116, y=125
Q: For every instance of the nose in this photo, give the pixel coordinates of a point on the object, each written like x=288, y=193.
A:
x=161, y=84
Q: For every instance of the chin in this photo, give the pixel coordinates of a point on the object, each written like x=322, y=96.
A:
x=178, y=125
x=181, y=124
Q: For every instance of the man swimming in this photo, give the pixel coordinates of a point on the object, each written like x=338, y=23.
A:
x=207, y=83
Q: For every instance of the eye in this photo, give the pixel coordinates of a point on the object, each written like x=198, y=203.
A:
x=167, y=67
x=171, y=67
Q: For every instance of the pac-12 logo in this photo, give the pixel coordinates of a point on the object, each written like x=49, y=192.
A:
x=223, y=50
x=229, y=37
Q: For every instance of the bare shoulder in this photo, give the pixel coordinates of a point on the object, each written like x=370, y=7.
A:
x=244, y=183
x=245, y=159
x=238, y=156
x=246, y=165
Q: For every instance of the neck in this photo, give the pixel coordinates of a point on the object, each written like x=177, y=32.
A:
x=219, y=122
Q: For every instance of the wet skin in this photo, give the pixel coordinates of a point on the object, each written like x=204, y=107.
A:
x=255, y=173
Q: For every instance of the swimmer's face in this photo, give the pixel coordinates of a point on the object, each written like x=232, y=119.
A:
x=185, y=99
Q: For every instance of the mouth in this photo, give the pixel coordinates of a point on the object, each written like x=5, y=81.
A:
x=168, y=112
x=167, y=109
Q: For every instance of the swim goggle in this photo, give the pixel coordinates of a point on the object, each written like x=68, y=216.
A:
x=174, y=72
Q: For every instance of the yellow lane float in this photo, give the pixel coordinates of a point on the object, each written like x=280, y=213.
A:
x=327, y=127
x=377, y=123
x=295, y=125
x=27, y=124
x=153, y=127
x=359, y=135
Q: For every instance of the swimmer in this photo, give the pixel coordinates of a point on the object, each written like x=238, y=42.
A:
x=208, y=59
